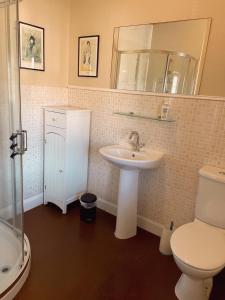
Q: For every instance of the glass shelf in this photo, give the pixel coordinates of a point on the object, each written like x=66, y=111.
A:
x=133, y=115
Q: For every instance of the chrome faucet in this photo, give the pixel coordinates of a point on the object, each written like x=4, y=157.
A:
x=134, y=140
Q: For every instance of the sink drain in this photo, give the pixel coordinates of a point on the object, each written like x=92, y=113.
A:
x=5, y=269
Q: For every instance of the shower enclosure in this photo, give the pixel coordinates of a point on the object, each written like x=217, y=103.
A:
x=14, y=245
x=160, y=71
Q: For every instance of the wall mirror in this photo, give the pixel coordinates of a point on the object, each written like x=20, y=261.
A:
x=165, y=57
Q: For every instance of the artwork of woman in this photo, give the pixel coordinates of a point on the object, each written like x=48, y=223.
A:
x=31, y=47
x=87, y=53
x=88, y=56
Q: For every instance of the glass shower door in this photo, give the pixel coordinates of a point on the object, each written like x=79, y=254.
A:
x=11, y=188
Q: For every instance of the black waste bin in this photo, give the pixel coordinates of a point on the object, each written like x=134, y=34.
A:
x=88, y=207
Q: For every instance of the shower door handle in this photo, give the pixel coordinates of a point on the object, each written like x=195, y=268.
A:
x=19, y=143
x=24, y=140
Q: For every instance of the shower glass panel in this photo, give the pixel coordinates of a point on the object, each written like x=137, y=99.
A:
x=11, y=193
x=156, y=72
x=180, y=74
x=141, y=70
x=127, y=71
x=189, y=86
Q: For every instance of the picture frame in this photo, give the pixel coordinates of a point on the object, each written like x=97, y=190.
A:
x=88, y=55
x=31, y=47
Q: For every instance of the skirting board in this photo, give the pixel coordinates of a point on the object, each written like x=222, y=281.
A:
x=143, y=222
x=29, y=203
x=33, y=202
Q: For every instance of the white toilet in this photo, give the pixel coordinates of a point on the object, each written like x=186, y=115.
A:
x=199, y=247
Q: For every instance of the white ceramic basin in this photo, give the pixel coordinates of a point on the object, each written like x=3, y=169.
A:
x=130, y=163
x=125, y=158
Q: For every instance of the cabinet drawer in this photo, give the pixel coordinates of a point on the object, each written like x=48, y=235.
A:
x=55, y=119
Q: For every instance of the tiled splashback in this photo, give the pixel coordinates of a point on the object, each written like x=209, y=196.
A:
x=168, y=193
x=196, y=138
x=33, y=99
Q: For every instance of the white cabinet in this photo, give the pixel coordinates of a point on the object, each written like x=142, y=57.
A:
x=66, y=145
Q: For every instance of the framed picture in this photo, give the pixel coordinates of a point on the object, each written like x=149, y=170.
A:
x=88, y=52
x=31, y=47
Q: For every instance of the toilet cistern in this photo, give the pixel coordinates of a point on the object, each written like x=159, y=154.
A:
x=134, y=140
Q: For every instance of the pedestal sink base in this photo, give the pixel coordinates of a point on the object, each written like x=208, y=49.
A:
x=126, y=222
x=129, y=162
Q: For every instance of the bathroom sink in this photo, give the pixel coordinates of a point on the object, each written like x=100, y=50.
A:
x=130, y=163
x=125, y=158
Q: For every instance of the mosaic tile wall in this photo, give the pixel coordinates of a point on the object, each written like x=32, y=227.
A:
x=196, y=138
x=33, y=99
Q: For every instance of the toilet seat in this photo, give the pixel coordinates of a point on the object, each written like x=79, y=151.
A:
x=199, y=245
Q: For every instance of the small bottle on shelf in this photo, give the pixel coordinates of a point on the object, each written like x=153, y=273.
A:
x=164, y=113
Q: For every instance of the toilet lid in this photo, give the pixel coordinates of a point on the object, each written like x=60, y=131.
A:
x=199, y=245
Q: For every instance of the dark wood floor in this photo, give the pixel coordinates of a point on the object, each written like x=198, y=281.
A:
x=72, y=260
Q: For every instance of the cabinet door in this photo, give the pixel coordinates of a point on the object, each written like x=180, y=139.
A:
x=54, y=168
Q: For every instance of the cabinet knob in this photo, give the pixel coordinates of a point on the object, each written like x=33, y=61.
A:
x=53, y=119
x=60, y=171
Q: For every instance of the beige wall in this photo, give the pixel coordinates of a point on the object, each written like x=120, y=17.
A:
x=101, y=16
x=54, y=16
